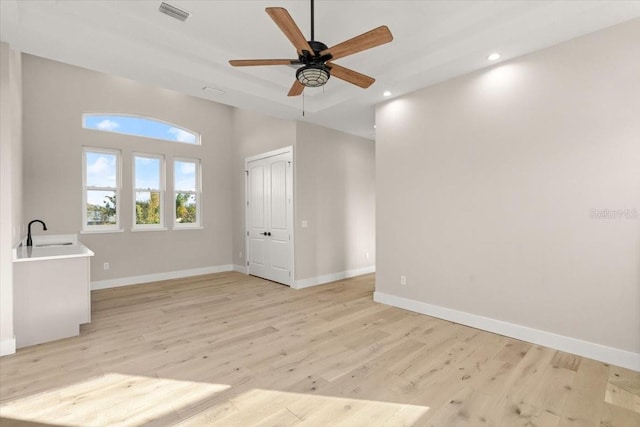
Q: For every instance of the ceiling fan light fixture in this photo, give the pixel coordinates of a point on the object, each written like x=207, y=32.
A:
x=313, y=75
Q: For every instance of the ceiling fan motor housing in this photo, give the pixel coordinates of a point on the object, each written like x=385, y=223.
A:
x=317, y=48
x=309, y=58
x=314, y=73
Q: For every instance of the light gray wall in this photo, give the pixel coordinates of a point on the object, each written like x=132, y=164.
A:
x=55, y=96
x=334, y=186
x=335, y=194
x=10, y=184
x=333, y=164
x=486, y=186
x=253, y=134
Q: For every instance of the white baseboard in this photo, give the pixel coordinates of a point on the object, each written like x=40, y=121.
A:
x=146, y=278
x=319, y=280
x=611, y=355
x=7, y=346
x=240, y=268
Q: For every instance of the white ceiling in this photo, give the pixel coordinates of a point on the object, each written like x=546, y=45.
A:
x=433, y=41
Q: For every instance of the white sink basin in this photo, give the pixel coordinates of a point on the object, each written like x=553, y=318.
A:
x=56, y=246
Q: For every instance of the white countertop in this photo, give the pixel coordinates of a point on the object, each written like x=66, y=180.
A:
x=51, y=247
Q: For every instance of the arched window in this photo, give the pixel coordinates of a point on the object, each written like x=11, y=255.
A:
x=139, y=126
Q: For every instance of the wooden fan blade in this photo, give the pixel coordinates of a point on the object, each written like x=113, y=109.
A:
x=288, y=26
x=296, y=88
x=348, y=75
x=373, y=38
x=251, y=62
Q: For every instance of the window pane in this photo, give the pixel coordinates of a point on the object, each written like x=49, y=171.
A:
x=186, y=208
x=140, y=126
x=185, y=176
x=147, y=173
x=101, y=207
x=101, y=169
x=147, y=207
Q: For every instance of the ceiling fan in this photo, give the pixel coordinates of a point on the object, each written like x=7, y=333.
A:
x=315, y=57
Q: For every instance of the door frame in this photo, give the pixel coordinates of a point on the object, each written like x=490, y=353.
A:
x=290, y=210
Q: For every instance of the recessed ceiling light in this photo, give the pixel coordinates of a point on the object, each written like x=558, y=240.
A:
x=374, y=126
x=213, y=89
x=493, y=57
x=386, y=93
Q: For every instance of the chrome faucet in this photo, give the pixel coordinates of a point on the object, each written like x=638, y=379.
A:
x=44, y=227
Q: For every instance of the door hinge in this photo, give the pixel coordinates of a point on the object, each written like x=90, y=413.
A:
x=289, y=274
x=247, y=172
x=247, y=203
x=247, y=233
x=247, y=263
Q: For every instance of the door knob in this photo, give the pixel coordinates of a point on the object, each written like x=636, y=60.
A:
x=269, y=234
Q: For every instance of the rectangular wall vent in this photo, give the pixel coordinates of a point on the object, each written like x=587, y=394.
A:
x=174, y=12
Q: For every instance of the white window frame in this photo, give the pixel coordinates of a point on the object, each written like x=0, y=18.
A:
x=148, y=227
x=109, y=228
x=198, y=193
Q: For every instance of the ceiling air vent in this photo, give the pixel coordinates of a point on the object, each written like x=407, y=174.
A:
x=173, y=11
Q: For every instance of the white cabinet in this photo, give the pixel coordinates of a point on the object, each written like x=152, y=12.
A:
x=51, y=295
x=51, y=299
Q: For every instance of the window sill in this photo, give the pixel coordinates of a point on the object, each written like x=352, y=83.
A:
x=112, y=230
x=138, y=229
x=192, y=227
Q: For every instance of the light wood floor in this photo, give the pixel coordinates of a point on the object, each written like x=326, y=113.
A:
x=231, y=350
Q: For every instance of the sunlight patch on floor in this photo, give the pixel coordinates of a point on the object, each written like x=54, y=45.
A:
x=131, y=400
x=258, y=407
x=112, y=399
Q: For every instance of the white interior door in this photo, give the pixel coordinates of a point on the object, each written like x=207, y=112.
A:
x=269, y=216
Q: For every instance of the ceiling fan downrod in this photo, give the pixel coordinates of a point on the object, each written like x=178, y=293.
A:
x=312, y=19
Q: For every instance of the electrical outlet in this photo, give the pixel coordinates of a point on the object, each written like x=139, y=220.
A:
x=366, y=255
x=403, y=280
x=240, y=255
x=106, y=266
